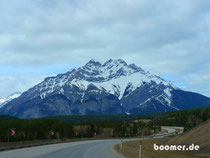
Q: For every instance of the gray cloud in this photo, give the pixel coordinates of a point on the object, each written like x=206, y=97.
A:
x=165, y=37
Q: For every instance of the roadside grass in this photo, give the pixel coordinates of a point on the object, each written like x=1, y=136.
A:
x=177, y=130
x=131, y=150
x=162, y=131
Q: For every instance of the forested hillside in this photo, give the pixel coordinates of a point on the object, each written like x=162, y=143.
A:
x=99, y=126
x=184, y=118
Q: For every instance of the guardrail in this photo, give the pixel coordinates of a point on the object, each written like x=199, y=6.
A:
x=16, y=145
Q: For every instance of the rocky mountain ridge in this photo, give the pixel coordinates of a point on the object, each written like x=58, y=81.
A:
x=112, y=87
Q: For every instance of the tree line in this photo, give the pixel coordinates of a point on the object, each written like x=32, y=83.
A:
x=39, y=129
x=183, y=118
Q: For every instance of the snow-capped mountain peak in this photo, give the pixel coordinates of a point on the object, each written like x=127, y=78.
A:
x=111, y=87
x=7, y=99
x=113, y=76
x=93, y=62
x=109, y=69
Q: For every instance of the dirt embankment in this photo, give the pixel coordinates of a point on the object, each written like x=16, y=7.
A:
x=198, y=136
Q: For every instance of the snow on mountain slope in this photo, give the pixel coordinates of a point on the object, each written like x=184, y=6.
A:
x=4, y=101
x=112, y=76
x=112, y=87
x=118, y=85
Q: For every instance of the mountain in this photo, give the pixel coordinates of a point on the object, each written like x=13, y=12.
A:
x=4, y=101
x=113, y=87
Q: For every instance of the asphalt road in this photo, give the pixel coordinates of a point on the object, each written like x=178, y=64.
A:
x=83, y=149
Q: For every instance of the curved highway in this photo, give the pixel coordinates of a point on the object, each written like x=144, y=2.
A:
x=83, y=149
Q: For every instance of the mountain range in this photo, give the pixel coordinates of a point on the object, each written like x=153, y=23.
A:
x=112, y=87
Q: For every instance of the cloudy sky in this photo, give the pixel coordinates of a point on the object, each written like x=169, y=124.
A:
x=41, y=38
